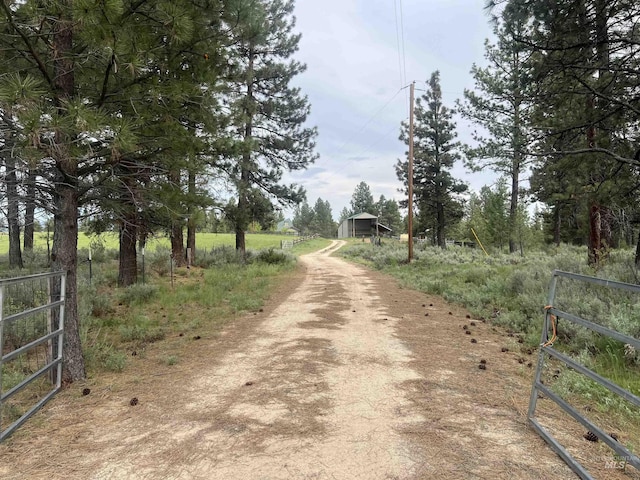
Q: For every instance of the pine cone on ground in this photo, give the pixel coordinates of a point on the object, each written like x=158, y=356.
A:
x=592, y=437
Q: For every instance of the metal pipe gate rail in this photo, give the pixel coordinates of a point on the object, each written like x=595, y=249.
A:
x=30, y=327
x=546, y=348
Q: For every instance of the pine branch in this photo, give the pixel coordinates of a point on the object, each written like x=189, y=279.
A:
x=25, y=39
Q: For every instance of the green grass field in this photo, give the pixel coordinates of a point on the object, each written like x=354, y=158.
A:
x=255, y=241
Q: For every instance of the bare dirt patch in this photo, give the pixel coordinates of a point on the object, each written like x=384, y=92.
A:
x=341, y=377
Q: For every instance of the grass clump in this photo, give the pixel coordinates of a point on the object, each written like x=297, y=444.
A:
x=219, y=256
x=141, y=330
x=138, y=294
x=272, y=256
x=170, y=360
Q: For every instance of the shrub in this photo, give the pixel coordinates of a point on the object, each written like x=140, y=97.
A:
x=219, y=256
x=137, y=294
x=273, y=257
x=159, y=261
x=170, y=360
x=101, y=305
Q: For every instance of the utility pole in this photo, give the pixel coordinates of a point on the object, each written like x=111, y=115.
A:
x=410, y=172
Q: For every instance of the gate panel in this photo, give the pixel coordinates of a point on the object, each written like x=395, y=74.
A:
x=549, y=330
x=31, y=336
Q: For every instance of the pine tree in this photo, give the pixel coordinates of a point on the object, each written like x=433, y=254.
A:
x=107, y=77
x=323, y=223
x=362, y=200
x=269, y=113
x=500, y=105
x=584, y=54
x=344, y=214
x=389, y=213
x=436, y=192
x=303, y=218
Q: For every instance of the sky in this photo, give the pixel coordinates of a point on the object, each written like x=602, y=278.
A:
x=356, y=68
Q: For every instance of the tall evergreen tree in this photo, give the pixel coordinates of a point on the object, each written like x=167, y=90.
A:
x=303, y=218
x=436, y=192
x=344, y=214
x=362, y=200
x=585, y=55
x=389, y=213
x=500, y=105
x=323, y=223
x=269, y=112
x=107, y=76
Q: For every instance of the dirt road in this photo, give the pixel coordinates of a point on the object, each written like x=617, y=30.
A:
x=344, y=376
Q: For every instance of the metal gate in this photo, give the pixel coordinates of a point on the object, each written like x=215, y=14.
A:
x=31, y=335
x=546, y=348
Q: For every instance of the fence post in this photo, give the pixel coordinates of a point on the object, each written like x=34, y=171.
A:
x=533, y=400
x=63, y=288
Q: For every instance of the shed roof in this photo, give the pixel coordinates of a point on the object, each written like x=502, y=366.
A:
x=362, y=216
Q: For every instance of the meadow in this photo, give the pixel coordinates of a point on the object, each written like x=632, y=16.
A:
x=109, y=241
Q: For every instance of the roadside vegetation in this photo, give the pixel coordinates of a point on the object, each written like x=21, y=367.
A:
x=511, y=291
x=110, y=241
x=119, y=325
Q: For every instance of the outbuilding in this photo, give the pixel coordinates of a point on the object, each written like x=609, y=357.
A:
x=362, y=225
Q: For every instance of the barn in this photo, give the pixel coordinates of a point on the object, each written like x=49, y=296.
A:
x=362, y=225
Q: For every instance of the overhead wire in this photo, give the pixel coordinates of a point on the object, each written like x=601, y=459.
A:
x=402, y=68
x=402, y=57
x=368, y=148
x=372, y=117
x=398, y=45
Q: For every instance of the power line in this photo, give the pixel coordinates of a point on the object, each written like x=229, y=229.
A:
x=371, y=145
x=398, y=44
x=404, y=56
x=371, y=118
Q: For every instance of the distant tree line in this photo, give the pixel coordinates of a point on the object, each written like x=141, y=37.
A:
x=319, y=218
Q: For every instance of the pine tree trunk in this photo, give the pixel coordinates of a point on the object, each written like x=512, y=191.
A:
x=241, y=220
x=13, y=222
x=177, y=244
x=513, y=208
x=442, y=243
x=515, y=180
x=29, y=210
x=128, y=260
x=191, y=222
x=128, y=264
x=64, y=254
x=175, y=233
x=64, y=258
x=242, y=217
